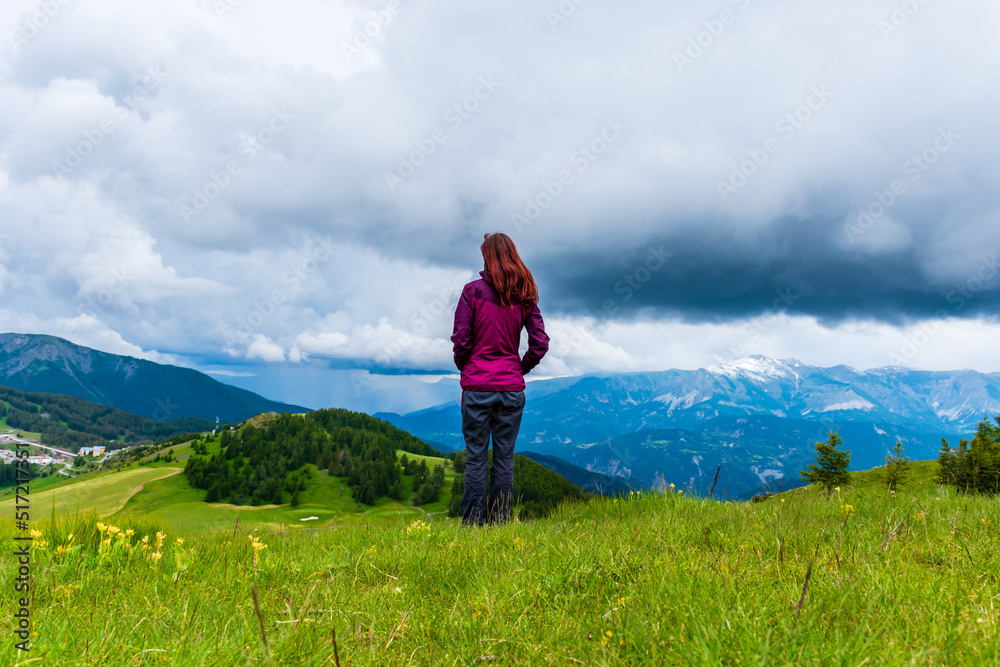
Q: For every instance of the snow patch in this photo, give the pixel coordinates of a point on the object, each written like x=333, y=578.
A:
x=673, y=402
x=857, y=404
x=757, y=366
x=765, y=475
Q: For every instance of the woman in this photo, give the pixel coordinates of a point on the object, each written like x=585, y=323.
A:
x=488, y=321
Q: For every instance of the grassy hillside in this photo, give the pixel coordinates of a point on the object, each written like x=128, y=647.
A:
x=152, y=487
x=649, y=579
x=104, y=493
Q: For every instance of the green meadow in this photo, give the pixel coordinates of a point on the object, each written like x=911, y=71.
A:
x=158, y=490
x=861, y=576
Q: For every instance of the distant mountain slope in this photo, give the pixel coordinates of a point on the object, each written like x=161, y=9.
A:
x=37, y=363
x=757, y=416
x=72, y=422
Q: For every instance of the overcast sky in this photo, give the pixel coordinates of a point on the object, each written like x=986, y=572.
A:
x=288, y=190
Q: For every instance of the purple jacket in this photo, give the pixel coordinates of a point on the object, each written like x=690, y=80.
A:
x=487, y=337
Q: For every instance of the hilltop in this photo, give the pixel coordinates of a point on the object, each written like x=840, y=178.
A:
x=320, y=469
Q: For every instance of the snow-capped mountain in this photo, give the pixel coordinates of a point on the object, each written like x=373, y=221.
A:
x=753, y=413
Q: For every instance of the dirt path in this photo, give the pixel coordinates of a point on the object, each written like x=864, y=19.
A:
x=430, y=515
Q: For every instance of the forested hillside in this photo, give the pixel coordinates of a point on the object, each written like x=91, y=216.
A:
x=258, y=460
x=268, y=460
x=73, y=422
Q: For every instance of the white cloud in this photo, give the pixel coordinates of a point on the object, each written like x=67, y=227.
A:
x=265, y=349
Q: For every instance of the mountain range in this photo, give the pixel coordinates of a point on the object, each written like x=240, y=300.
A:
x=38, y=363
x=754, y=420
x=744, y=426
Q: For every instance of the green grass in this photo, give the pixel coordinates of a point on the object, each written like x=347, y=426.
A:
x=176, y=504
x=909, y=578
x=104, y=494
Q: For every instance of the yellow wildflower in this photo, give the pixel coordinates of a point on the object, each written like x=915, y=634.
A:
x=417, y=526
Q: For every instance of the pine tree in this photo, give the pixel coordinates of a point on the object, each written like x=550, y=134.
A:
x=830, y=469
x=897, y=468
x=946, y=464
x=295, y=497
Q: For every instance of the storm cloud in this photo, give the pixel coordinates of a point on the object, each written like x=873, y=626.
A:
x=240, y=186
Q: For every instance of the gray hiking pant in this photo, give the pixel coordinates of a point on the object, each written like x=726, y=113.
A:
x=485, y=414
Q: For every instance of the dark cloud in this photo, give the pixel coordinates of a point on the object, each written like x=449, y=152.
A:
x=792, y=266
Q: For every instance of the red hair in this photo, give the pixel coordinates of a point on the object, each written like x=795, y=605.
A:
x=510, y=277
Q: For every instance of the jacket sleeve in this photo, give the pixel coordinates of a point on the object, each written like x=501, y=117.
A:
x=538, y=340
x=461, y=336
